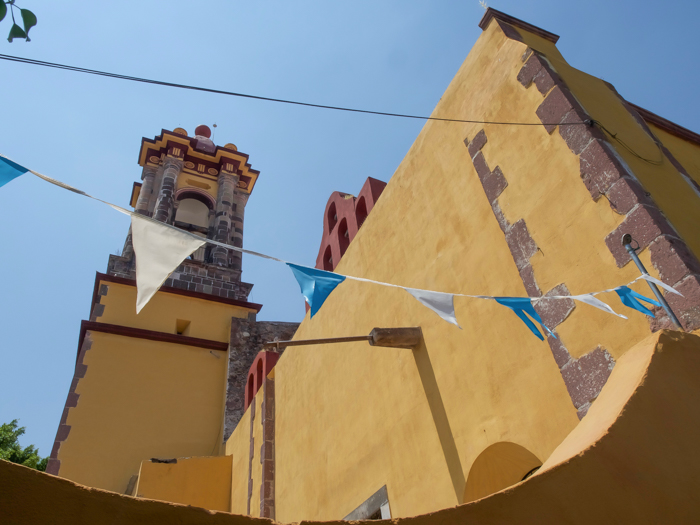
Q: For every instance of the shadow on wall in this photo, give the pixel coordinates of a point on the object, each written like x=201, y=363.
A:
x=499, y=466
x=442, y=424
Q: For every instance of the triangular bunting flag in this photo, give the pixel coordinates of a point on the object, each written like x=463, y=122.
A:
x=594, y=301
x=627, y=296
x=520, y=305
x=10, y=170
x=316, y=285
x=662, y=284
x=159, y=250
x=440, y=303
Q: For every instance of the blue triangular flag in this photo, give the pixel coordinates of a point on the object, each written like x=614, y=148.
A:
x=316, y=285
x=10, y=170
x=520, y=305
x=627, y=296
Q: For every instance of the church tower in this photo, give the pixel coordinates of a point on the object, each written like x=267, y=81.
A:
x=170, y=381
x=200, y=187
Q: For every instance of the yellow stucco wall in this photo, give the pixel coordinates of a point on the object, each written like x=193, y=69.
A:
x=256, y=470
x=238, y=447
x=208, y=319
x=652, y=480
x=352, y=418
x=671, y=192
x=686, y=152
x=201, y=482
x=416, y=420
x=141, y=399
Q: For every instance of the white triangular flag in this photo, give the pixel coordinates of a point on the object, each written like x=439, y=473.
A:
x=440, y=303
x=594, y=301
x=159, y=250
x=662, y=284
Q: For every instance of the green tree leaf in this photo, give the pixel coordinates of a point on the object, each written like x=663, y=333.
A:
x=28, y=18
x=3, y=10
x=11, y=450
x=16, y=32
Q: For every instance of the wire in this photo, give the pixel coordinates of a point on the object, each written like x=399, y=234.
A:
x=628, y=148
x=33, y=62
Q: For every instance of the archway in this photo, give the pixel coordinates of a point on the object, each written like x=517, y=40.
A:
x=499, y=466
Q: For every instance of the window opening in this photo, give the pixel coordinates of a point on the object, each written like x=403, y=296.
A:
x=376, y=507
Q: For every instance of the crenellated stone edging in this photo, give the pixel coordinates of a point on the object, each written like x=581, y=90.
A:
x=583, y=377
x=604, y=173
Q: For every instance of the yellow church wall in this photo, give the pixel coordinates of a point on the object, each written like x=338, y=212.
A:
x=685, y=152
x=352, y=417
x=208, y=319
x=655, y=381
x=238, y=447
x=256, y=470
x=201, y=482
x=671, y=192
x=416, y=420
x=141, y=399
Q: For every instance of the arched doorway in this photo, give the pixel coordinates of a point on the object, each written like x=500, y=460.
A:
x=497, y=467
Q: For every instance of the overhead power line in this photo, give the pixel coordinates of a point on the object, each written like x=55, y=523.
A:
x=33, y=62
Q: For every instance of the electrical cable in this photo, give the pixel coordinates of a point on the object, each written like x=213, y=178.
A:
x=628, y=148
x=76, y=69
x=30, y=61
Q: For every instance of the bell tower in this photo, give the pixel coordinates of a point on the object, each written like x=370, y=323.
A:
x=170, y=380
x=203, y=188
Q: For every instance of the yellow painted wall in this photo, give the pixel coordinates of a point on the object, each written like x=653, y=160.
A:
x=652, y=480
x=238, y=447
x=686, y=152
x=201, y=482
x=351, y=418
x=208, y=319
x=668, y=188
x=256, y=471
x=141, y=399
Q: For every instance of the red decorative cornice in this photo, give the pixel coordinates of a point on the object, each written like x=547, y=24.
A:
x=150, y=335
x=165, y=142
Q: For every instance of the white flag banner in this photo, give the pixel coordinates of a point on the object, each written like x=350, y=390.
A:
x=662, y=284
x=159, y=250
x=440, y=303
x=594, y=301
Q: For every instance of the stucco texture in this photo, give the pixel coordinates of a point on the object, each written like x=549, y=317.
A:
x=353, y=418
x=201, y=482
x=208, y=319
x=631, y=460
x=141, y=399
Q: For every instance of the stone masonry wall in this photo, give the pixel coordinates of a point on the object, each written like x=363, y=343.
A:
x=193, y=276
x=247, y=338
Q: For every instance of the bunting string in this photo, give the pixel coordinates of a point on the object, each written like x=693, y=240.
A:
x=160, y=248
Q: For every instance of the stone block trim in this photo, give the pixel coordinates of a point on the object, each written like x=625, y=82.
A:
x=54, y=464
x=193, y=276
x=645, y=223
x=247, y=339
x=583, y=377
x=251, y=456
x=267, y=450
x=98, y=309
x=605, y=174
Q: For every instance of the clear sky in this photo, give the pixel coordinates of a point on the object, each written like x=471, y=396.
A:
x=395, y=55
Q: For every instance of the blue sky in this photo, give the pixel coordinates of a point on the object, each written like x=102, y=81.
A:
x=396, y=56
